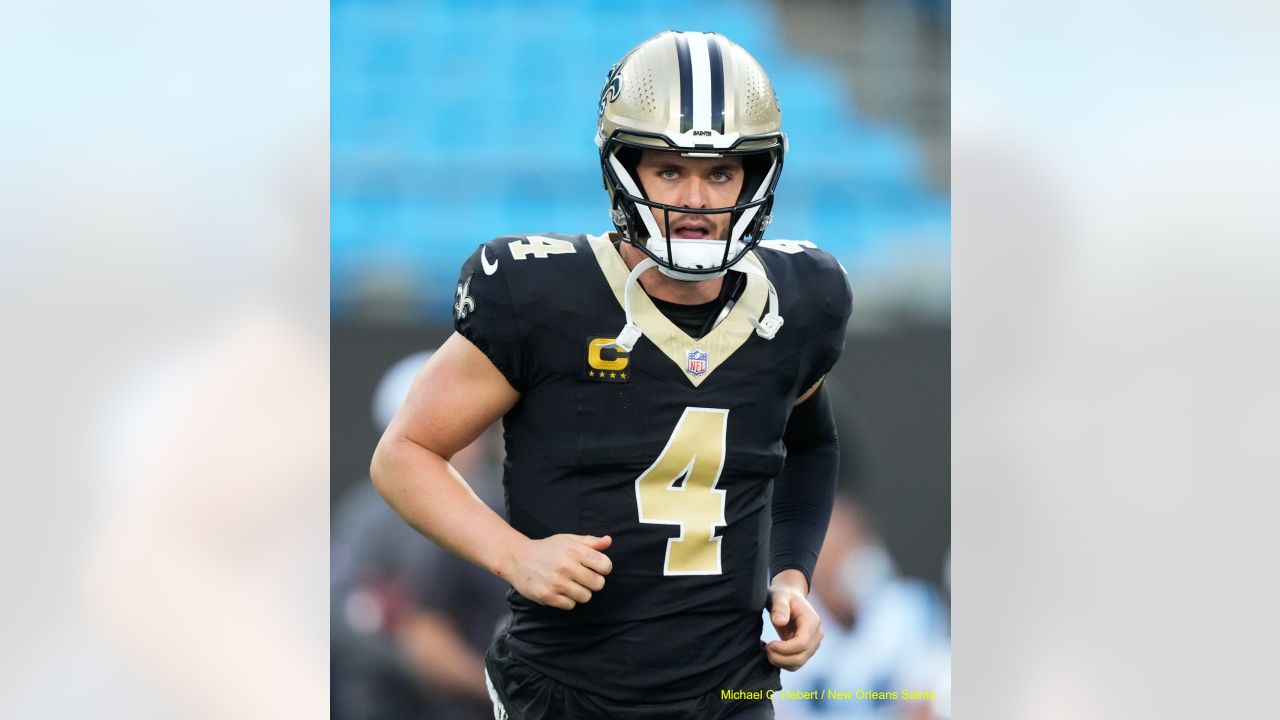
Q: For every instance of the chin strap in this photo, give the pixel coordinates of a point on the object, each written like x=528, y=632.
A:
x=631, y=332
x=767, y=327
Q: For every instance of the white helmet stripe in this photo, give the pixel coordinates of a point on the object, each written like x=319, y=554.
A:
x=745, y=221
x=646, y=215
x=701, y=62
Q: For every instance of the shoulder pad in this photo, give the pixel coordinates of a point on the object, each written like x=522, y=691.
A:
x=537, y=246
x=801, y=266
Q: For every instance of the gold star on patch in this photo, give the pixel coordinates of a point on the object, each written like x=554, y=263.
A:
x=613, y=374
x=590, y=374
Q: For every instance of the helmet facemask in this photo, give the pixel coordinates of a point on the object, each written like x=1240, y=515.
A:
x=683, y=258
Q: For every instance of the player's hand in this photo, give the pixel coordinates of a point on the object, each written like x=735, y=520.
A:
x=799, y=628
x=561, y=571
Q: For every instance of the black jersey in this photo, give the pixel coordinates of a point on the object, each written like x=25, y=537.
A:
x=671, y=449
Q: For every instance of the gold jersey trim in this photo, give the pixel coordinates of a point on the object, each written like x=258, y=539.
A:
x=719, y=344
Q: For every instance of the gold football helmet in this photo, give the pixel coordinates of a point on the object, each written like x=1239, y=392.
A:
x=699, y=95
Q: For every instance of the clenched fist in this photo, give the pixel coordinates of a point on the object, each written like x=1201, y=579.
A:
x=561, y=571
x=798, y=625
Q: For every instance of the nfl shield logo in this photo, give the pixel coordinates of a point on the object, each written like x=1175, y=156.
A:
x=697, y=362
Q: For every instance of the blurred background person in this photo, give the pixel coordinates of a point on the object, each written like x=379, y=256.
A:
x=883, y=633
x=409, y=621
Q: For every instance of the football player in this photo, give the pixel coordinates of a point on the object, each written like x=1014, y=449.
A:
x=671, y=452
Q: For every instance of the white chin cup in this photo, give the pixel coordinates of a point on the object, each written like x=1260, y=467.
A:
x=691, y=255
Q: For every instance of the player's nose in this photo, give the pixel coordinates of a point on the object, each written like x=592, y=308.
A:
x=693, y=193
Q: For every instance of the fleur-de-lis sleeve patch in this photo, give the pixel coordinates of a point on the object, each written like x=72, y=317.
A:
x=463, y=303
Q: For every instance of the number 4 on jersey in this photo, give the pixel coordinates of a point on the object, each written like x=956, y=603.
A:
x=539, y=247
x=694, y=452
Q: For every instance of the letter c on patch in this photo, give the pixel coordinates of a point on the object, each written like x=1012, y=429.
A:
x=596, y=352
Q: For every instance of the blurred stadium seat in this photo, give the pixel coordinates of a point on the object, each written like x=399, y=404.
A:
x=455, y=122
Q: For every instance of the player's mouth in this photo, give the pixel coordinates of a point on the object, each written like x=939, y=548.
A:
x=692, y=231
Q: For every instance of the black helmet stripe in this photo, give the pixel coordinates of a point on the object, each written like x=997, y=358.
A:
x=717, y=82
x=686, y=83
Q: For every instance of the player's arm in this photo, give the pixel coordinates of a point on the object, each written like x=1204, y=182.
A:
x=435, y=648
x=457, y=394
x=805, y=491
x=802, y=500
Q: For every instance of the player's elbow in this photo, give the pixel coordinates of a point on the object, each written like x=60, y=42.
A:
x=382, y=466
x=397, y=463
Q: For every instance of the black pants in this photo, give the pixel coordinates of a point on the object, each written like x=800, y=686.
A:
x=521, y=693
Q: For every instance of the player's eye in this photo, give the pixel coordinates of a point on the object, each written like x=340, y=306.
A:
x=668, y=174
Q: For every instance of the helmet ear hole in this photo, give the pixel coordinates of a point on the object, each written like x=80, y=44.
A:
x=634, y=225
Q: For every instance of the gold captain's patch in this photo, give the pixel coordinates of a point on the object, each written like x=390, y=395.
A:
x=606, y=363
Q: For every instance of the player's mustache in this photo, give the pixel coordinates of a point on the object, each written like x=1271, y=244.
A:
x=715, y=224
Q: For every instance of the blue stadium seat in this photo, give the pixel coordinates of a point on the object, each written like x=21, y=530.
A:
x=455, y=121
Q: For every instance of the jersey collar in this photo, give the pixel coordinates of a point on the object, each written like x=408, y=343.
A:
x=719, y=344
